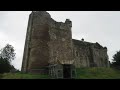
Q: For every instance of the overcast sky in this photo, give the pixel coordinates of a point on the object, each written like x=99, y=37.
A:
x=94, y=26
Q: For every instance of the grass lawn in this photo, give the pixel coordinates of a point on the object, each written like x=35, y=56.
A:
x=82, y=73
x=23, y=76
x=97, y=73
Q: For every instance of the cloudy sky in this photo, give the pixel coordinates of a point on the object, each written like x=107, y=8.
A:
x=94, y=26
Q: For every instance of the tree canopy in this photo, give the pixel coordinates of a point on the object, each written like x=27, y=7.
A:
x=116, y=60
x=7, y=54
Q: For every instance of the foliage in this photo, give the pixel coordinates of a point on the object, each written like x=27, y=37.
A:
x=1, y=75
x=8, y=53
x=4, y=65
x=116, y=60
x=6, y=56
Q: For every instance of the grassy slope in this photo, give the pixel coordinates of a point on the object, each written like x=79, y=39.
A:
x=23, y=76
x=98, y=73
x=82, y=73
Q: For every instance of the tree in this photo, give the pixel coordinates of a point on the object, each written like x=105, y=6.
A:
x=6, y=56
x=116, y=60
x=4, y=66
x=8, y=53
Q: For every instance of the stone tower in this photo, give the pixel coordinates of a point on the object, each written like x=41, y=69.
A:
x=36, y=52
x=48, y=43
x=49, y=48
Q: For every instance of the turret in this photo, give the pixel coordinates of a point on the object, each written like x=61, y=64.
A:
x=68, y=22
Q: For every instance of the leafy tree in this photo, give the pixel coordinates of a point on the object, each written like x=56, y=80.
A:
x=4, y=65
x=116, y=60
x=8, y=52
x=6, y=56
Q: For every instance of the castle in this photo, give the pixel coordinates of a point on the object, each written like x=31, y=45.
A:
x=49, y=48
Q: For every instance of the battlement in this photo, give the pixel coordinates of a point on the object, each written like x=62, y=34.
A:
x=43, y=17
x=68, y=22
x=41, y=13
x=80, y=43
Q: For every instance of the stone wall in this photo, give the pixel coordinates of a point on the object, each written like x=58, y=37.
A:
x=60, y=44
x=88, y=54
x=50, y=43
x=27, y=47
x=47, y=42
x=36, y=52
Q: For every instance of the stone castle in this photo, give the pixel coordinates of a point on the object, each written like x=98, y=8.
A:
x=49, y=48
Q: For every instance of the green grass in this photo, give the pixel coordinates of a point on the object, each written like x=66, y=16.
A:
x=82, y=73
x=24, y=76
x=97, y=73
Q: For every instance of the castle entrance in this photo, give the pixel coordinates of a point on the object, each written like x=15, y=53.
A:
x=62, y=71
x=66, y=71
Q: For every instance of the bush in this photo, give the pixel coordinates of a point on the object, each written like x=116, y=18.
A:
x=1, y=76
x=4, y=66
x=116, y=61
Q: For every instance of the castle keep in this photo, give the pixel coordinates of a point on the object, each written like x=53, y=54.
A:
x=49, y=48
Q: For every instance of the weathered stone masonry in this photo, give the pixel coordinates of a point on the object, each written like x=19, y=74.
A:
x=88, y=54
x=50, y=44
